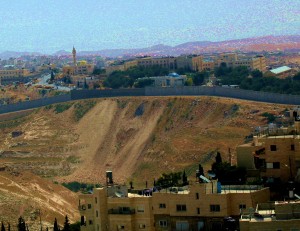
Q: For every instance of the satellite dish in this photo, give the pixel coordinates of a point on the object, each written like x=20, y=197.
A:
x=205, y=179
x=119, y=194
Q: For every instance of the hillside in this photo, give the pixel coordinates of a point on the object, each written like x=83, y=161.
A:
x=24, y=194
x=136, y=138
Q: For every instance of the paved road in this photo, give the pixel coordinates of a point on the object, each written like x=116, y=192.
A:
x=43, y=81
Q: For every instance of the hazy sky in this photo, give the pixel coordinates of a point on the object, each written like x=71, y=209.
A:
x=51, y=25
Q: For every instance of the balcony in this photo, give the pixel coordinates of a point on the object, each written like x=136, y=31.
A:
x=122, y=211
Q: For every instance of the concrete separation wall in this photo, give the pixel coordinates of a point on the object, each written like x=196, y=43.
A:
x=153, y=91
x=225, y=92
x=86, y=94
x=34, y=103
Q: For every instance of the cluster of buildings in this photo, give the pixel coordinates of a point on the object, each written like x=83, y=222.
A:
x=198, y=206
x=193, y=62
x=272, y=155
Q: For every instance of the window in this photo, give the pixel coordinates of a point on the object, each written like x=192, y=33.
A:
x=142, y=226
x=181, y=208
x=162, y=206
x=276, y=165
x=89, y=206
x=140, y=209
x=97, y=213
x=269, y=165
x=197, y=196
x=96, y=200
x=215, y=208
x=242, y=206
x=273, y=148
x=198, y=210
x=163, y=223
x=121, y=227
x=292, y=147
x=90, y=222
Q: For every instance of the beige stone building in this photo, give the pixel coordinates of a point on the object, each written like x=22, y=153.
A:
x=199, y=63
x=273, y=153
x=277, y=216
x=12, y=73
x=196, y=207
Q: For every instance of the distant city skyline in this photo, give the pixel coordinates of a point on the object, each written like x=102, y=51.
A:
x=49, y=26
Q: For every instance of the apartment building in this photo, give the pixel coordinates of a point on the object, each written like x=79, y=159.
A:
x=277, y=216
x=274, y=153
x=199, y=63
x=198, y=206
x=13, y=73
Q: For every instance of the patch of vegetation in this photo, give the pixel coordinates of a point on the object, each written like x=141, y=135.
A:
x=127, y=78
x=172, y=179
x=270, y=117
x=12, y=123
x=81, y=108
x=49, y=107
x=61, y=107
x=83, y=187
x=121, y=104
x=73, y=159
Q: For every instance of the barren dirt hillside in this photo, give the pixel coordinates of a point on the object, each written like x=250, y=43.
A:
x=136, y=138
x=29, y=196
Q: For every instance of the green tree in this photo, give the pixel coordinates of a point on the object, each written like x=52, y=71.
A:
x=55, y=227
x=98, y=71
x=189, y=82
x=75, y=226
x=198, y=78
x=256, y=74
x=297, y=76
x=2, y=226
x=141, y=83
x=66, y=224
x=52, y=76
x=168, y=180
x=21, y=224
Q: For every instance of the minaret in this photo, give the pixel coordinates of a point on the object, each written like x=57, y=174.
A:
x=74, y=57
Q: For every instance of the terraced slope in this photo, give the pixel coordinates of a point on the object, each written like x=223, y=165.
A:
x=24, y=194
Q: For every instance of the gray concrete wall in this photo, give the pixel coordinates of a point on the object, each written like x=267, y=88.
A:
x=85, y=94
x=34, y=103
x=225, y=92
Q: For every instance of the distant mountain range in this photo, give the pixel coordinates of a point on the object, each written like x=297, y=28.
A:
x=257, y=44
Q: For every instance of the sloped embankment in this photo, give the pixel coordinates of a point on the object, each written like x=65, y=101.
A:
x=137, y=138
x=24, y=194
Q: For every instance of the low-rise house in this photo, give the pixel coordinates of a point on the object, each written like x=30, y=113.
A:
x=171, y=80
x=279, y=216
x=281, y=72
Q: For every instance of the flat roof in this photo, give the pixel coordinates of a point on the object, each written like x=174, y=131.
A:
x=280, y=69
